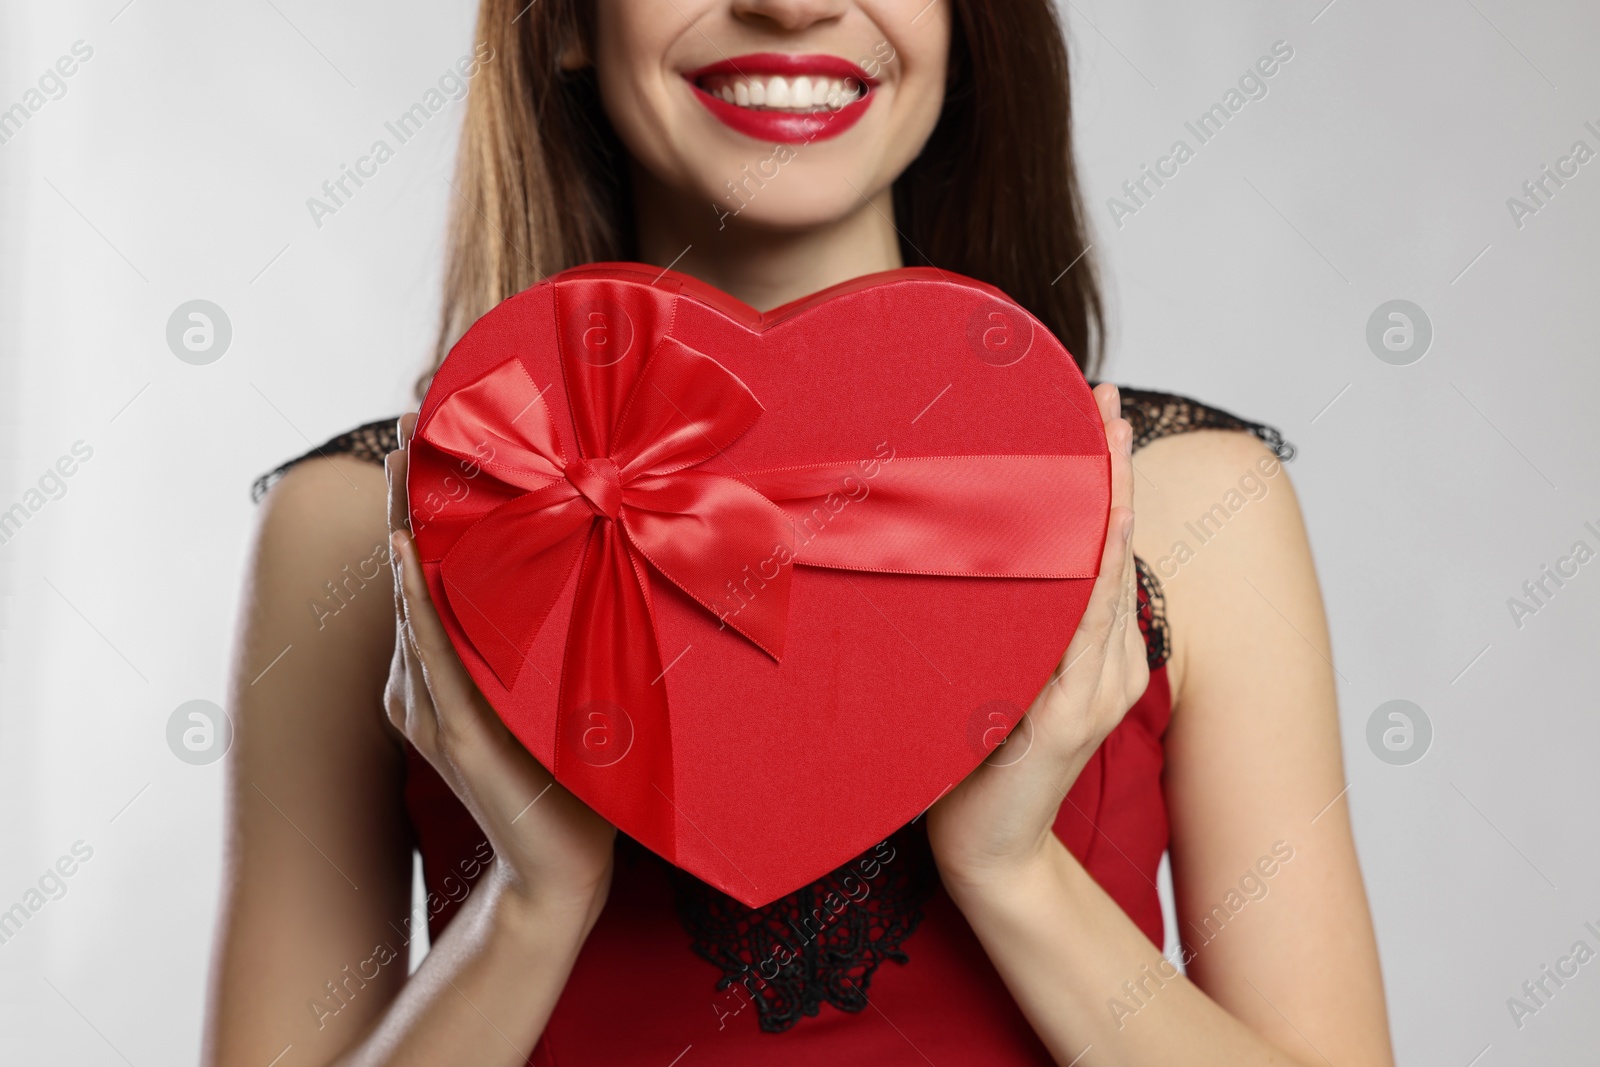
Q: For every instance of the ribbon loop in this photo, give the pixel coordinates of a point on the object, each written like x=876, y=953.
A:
x=685, y=408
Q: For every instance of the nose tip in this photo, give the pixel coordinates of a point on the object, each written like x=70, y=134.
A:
x=789, y=15
x=600, y=483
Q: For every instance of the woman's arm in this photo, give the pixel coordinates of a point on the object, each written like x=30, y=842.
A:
x=317, y=870
x=311, y=952
x=1254, y=758
x=1287, y=971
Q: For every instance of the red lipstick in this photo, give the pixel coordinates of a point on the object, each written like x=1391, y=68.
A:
x=787, y=127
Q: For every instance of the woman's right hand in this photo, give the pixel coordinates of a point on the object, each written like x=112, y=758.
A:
x=551, y=849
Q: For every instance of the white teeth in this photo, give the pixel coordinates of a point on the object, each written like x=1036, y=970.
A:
x=802, y=94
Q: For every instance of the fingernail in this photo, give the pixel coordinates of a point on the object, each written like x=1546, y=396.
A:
x=1127, y=529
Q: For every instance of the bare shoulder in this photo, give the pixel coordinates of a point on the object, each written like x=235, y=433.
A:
x=318, y=601
x=321, y=500
x=321, y=555
x=1212, y=507
x=319, y=581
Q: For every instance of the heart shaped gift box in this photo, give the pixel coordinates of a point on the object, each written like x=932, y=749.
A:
x=759, y=588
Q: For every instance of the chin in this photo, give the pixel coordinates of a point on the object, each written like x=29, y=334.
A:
x=783, y=186
x=796, y=209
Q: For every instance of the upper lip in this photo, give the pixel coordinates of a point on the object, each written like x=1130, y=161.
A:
x=785, y=63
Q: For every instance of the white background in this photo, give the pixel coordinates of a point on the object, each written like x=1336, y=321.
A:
x=177, y=166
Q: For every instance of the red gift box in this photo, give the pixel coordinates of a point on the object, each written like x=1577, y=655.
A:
x=759, y=588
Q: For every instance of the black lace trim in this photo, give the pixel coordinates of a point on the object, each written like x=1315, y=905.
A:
x=1152, y=616
x=1155, y=415
x=818, y=945
x=370, y=442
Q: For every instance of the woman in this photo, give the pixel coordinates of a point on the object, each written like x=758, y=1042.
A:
x=1018, y=922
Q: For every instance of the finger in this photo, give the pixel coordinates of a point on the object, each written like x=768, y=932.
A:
x=1133, y=659
x=410, y=708
x=447, y=680
x=394, y=476
x=1135, y=652
x=1127, y=601
x=394, y=471
x=422, y=715
x=1130, y=571
x=1120, y=529
x=1119, y=441
x=395, y=466
x=1108, y=400
x=394, y=697
x=1098, y=623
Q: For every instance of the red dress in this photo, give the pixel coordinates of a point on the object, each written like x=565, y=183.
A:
x=675, y=972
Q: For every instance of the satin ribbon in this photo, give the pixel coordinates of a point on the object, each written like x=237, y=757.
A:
x=730, y=542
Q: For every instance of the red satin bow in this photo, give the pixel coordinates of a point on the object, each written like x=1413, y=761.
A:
x=646, y=506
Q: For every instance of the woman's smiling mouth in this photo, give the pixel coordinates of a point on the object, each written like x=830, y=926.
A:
x=781, y=97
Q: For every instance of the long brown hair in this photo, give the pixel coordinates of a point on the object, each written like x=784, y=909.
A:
x=541, y=182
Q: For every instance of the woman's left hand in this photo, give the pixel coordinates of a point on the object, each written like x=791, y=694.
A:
x=997, y=822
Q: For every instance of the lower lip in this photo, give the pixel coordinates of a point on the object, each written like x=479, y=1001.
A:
x=785, y=127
